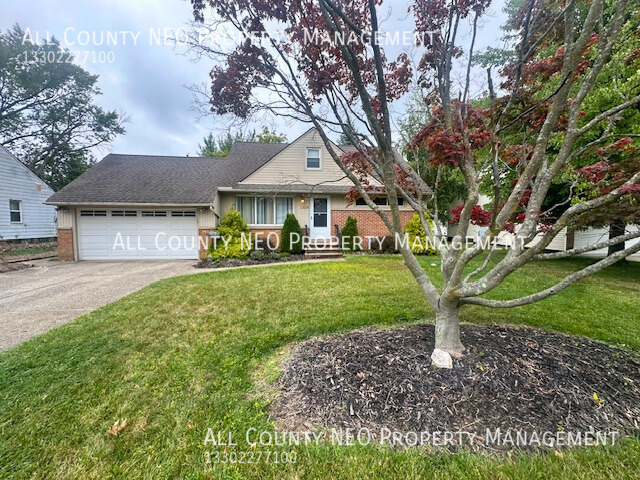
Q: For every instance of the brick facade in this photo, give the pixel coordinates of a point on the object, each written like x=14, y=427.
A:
x=266, y=234
x=65, y=244
x=202, y=242
x=369, y=223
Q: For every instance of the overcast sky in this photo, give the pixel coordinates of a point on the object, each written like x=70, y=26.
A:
x=146, y=80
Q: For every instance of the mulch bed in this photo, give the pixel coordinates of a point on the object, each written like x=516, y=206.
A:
x=234, y=262
x=516, y=379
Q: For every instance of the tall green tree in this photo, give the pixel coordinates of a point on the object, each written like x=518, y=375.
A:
x=48, y=115
x=269, y=136
x=221, y=145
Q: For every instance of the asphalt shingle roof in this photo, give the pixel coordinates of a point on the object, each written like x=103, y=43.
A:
x=151, y=179
x=165, y=180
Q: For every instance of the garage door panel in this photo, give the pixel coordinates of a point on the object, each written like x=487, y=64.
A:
x=121, y=238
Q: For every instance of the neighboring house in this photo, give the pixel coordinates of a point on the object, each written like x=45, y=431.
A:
x=151, y=200
x=565, y=240
x=23, y=213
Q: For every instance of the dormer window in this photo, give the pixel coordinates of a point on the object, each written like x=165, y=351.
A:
x=313, y=159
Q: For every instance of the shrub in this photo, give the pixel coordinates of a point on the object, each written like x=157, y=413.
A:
x=290, y=226
x=386, y=245
x=270, y=247
x=418, y=241
x=284, y=255
x=231, y=228
x=257, y=255
x=348, y=235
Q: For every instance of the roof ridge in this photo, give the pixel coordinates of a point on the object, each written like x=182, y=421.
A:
x=152, y=155
x=261, y=143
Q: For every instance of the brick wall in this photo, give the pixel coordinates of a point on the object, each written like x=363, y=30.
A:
x=202, y=242
x=65, y=244
x=369, y=223
x=266, y=234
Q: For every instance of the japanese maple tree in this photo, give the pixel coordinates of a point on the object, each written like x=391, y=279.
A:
x=327, y=66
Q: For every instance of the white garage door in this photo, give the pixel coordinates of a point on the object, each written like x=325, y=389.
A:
x=137, y=234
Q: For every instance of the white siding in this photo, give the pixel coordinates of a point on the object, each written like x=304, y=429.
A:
x=17, y=182
x=558, y=244
x=593, y=236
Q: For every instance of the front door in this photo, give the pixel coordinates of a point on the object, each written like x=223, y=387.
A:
x=320, y=217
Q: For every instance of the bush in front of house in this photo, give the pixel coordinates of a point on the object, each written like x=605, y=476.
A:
x=234, y=230
x=418, y=240
x=290, y=226
x=385, y=245
x=257, y=255
x=348, y=234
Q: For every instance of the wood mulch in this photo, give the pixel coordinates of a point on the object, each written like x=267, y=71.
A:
x=511, y=378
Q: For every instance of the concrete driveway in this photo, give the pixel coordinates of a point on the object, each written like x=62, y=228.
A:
x=50, y=294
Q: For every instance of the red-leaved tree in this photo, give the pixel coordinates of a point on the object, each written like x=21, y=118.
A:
x=324, y=62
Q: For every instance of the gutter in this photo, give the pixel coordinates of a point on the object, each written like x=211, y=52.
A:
x=127, y=204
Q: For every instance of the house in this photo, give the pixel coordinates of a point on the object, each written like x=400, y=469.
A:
x=565, y=240
x=149, y=207
x=23, y=213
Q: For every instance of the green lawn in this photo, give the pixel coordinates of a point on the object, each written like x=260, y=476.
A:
x=178, y=357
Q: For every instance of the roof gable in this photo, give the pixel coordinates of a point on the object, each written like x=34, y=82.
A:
x=7, y=156
x=289, y=165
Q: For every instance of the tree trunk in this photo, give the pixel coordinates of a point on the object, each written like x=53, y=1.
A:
x=616, y=229
x=448, y=342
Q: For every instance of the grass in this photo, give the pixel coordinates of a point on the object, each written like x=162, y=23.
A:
x=28, y=251
x=179, y=357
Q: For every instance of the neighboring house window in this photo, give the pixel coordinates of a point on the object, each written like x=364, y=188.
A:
x=264, y=210
x=380, y=201
x=15, y=211
x=313, y=158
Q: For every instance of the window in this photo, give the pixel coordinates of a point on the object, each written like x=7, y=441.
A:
x=380, y=201
x=284, y=206
x=246, y=207
x=154, y=213
x=93, y=213
x=183, y=213
x=313, y=158
x=15, y=211
x=264, y=210
x=124, y=213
